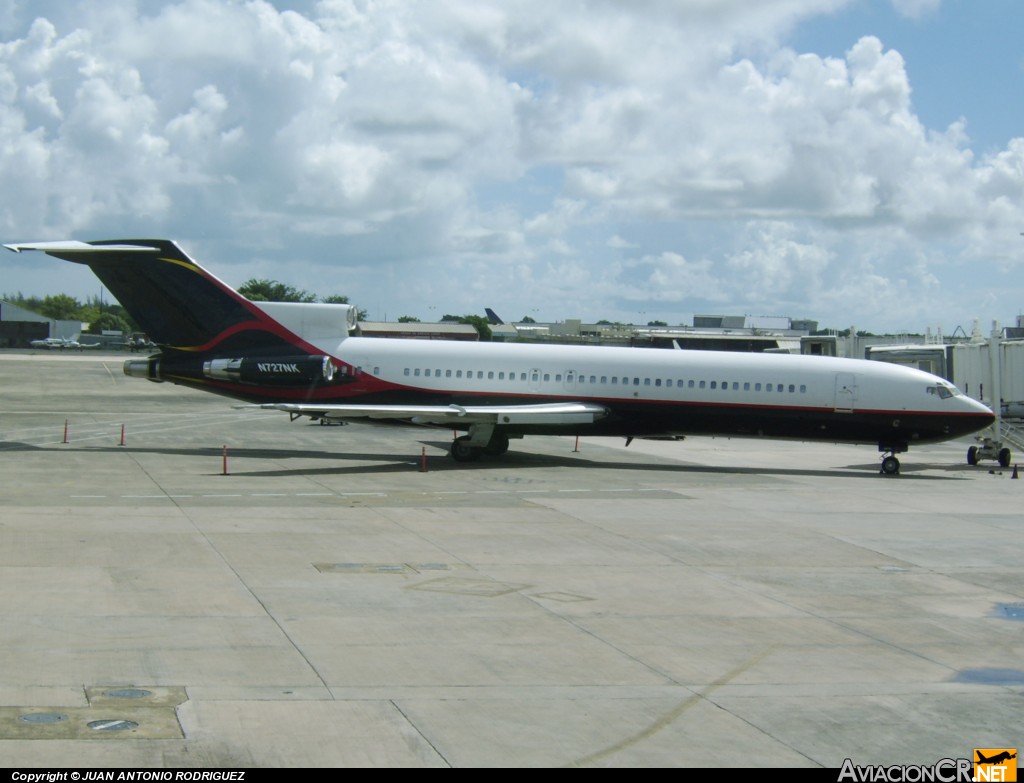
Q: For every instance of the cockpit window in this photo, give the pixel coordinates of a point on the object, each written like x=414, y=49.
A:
x=944, y=392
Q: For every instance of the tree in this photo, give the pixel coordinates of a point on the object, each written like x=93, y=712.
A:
x=408, y=319
x=526, y=320
x=361, y=314
x=273, y=291
x=108, y=322
x=61, y=307
x=657, y=323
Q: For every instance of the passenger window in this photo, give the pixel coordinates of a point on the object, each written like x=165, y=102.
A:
x=757, y=387
x=458, y=373
x=636, y=381
x=746, y=386
x=657, y=381
x=615, y=380
x=490, y=376
x=447, y=373
x=604, y=379
x=406, y=371
x=417, y=372
x=703, y=384
x=714, y=384
x=803, y=389
x=792, y=388
x=480, y=375
x=647, y=382
x=547, y=377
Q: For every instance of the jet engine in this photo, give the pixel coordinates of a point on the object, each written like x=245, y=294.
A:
x=273, y=370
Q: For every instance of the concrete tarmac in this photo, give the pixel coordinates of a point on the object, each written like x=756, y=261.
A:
x=712, y=603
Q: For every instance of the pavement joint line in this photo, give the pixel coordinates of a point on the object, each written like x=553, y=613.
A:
x=360, y=494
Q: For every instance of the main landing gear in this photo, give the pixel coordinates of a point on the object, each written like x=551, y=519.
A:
x=465, y=450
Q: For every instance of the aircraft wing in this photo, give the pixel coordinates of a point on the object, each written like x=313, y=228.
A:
x=544, y=413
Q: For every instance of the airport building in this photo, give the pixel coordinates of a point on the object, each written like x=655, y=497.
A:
x=19, y=327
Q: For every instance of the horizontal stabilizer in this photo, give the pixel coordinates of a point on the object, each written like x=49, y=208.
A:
x=74, y=246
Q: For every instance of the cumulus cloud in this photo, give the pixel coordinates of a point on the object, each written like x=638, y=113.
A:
x=600, y=158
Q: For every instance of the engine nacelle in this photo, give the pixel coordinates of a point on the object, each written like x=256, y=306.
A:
x=144, y=368
x=273, y=371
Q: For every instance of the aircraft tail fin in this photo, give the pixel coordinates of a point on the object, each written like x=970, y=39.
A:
x=175, y=301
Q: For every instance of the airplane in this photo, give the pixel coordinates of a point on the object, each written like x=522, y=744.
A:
x=61, y=343
x=49, y=342
x=301, y=359
x=996, y=759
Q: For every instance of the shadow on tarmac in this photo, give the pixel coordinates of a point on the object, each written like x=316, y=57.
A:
x=390, y=463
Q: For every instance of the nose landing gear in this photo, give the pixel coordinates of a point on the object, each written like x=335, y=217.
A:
x=890, y=464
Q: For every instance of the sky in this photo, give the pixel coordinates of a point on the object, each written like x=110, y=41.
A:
x=856, y=162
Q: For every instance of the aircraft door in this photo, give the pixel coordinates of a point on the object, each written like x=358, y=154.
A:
x=569, y=381
x=846, y=392
x=534, y=379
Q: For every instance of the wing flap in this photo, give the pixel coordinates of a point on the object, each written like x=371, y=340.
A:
x=544, y=413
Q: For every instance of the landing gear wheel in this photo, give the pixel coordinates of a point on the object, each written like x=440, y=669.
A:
x=890, y=466
x=972, y=455
x=1004, y=458
x=497, y=446
x=463, y=451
